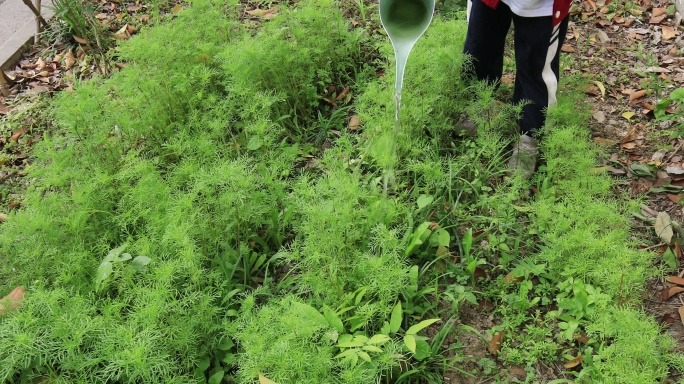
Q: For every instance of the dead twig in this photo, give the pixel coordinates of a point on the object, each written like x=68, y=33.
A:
x=36, y=12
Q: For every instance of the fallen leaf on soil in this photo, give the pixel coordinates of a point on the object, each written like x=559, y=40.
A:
x=511, y=278
x=18, y=133
x=604, y=142
x=574, y=362
x=668, y=32
x=342, y=94
x=176, y=9
x=636, y=95
x=3, y=217
x=495, y=343
x=671, y=291
x=12, y=300
x=676, y=280
x=600, y=117
x=674, y=169
x=581, y=338
x=601, y=87
x=659, y=11
x=674, y=198
x=134, y=8
x=628, y=115
x=663, y=227
x=681, y=314
x=80, y=40
x=519, y=372
x=354, y=123
x=567, y=48
x=657, y=19
x=261, y=12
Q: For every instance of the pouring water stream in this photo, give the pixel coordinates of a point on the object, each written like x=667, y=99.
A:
x=405, y=21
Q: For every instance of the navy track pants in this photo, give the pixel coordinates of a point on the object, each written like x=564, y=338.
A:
x=537, y=54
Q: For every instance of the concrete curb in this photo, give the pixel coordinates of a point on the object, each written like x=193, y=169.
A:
x=17, y=28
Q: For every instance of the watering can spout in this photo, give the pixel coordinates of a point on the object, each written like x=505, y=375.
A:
x=406, y=20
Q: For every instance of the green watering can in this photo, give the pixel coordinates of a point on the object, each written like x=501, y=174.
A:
x=405, y=21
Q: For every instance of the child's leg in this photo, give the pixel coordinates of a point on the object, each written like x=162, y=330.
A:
x=487, y=29
x=537, y=55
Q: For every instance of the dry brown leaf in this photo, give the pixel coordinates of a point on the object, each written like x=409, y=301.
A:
x=669, y=32
x=512, y=278
x=636, y=96
x=101, y=16
x=659, y=11
x=663, y=227
x=674, y=198
x=129, y=29
x=495, y=343
x=574, y=362
x=261, y=12
x=80, y=40
x=120, y=36
x=676, y=280
x=40, y=64
x=592, y=5
x=19, y=133
x=681, y=314
x=355, y=123
x=176, y=9
x=567, y=48
x=342, y=94
x=657, y=19
x=12, y=300
x=671, y=291
x=3, y=217
x=134, y=8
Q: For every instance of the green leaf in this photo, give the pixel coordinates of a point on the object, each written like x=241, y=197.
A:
x=226, y=344
x=359, y=296
x=395, y=320
x=333, y=319
x=103, y=271
x=443, y=237
x=379, y=339
x=310, y=312
x=114, y=253
x=424, y=200
x=372, y=348
x=467, y=242
x=642, y=170
x=216, y=377
x=140, y=262
x=385, y=330
x=254, y=143
x=677, y=95
x=670, y=259
x=420, y=326
x=416, y=239
x=410, y=342
x=204, y=364
x=124, y=257
x=365, y=356
x=422, y=350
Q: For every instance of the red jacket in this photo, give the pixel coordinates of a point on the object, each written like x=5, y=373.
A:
x=561, y=8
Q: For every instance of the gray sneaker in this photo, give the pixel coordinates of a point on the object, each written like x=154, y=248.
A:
x=523, y=160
